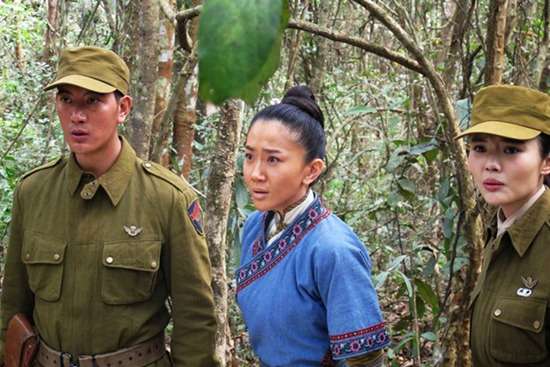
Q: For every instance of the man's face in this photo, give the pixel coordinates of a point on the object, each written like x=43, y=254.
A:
x=89, y=120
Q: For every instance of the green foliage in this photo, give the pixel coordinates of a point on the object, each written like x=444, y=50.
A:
x=239, y=47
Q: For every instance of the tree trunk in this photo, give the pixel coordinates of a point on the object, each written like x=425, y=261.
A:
x=144, y=75
x=496, y=36
x=542, y=60
x=50, y=34
x=220, y=181
x=159, y=134
x=185, y=115
x=318, y=63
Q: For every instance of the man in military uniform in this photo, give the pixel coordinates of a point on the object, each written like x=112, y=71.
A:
x=100, y=240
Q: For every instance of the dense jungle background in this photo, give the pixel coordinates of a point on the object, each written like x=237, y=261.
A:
x=395, y=80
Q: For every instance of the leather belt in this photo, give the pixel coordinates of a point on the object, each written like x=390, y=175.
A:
x=138, y=355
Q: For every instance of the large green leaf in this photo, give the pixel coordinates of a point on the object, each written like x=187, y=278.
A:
x=239, y=47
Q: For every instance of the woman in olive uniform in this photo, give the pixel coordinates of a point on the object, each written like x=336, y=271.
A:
x=509, y=147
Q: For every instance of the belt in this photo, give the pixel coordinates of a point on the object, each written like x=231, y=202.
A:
x=138, y=355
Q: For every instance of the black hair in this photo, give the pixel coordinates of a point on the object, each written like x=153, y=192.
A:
x=299, y=112
x=118, y=95
x=544, y=141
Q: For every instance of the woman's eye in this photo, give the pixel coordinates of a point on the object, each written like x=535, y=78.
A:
x=273, y=159
x=64, y=99
x=478, y=148
x=511, y=150
x=247, y=156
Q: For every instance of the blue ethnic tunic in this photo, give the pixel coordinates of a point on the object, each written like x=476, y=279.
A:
x=307, y=298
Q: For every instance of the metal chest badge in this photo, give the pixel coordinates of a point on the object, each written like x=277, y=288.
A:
x=132, y=231
x=528, y=284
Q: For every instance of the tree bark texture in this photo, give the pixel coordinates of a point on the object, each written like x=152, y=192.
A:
x=159, y=131
x=219, y=193
x=318, y=63
x=496, y=37
x=185, y=114
x=543, y=61
x=144, y=76
x=50, y=34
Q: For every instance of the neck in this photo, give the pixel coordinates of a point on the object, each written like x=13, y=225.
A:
x=292, y=206
x=99, y=163
x=510, y=210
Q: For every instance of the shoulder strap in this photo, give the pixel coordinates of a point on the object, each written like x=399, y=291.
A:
x=42, y=167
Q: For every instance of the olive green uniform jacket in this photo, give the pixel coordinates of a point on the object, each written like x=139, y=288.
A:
x=510, y=303
x=94, y=260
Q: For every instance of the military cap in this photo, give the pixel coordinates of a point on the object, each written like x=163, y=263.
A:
x=511, y=112
x=92, y=68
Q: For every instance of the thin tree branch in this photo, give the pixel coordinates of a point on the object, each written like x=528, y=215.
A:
x=167, y=11
x=36, y=107
x=357, y=42
x=188, y=13
x=88, y=21
x=334, y=36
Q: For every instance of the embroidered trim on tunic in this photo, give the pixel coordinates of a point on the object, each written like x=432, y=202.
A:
x=272, y=255
x=359, y=342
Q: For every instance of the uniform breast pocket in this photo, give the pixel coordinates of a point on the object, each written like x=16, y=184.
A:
x=129, y=271
x=43, y=259
x=517, y=331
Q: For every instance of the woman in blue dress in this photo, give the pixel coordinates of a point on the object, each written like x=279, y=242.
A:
x=303, y=285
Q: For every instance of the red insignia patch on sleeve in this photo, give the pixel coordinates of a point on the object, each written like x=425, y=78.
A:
x=195, y=214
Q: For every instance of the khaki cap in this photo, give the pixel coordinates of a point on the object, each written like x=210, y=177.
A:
x=511, y=112
x=92, y=68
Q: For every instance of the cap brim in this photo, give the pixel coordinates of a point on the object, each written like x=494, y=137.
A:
x=84, y=82
x=503, y=129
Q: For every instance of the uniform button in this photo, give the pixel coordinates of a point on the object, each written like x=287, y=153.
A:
x=56, y=257
x=27, y=256
x=109, y=260
x=147, y=164
x=536, y=324
x=153, y=264
x=498, y=312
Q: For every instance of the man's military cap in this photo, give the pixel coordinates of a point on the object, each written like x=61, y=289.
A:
x=92, y=68
x=511, y=112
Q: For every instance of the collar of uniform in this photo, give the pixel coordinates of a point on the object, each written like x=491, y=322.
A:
x=74, y=174
x=114, y=181
x=523, y=231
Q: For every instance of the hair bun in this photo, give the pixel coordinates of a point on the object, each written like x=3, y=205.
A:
x=302, y=97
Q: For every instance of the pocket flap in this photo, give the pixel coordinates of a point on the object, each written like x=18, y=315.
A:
x=132, y=255
x=527, y=313
x=40, y=250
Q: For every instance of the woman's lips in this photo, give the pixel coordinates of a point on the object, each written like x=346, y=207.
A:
x=258, y=194
x=492, y=184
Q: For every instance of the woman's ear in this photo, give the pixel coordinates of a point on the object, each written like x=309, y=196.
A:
x=314, y=169
x=545, y=168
